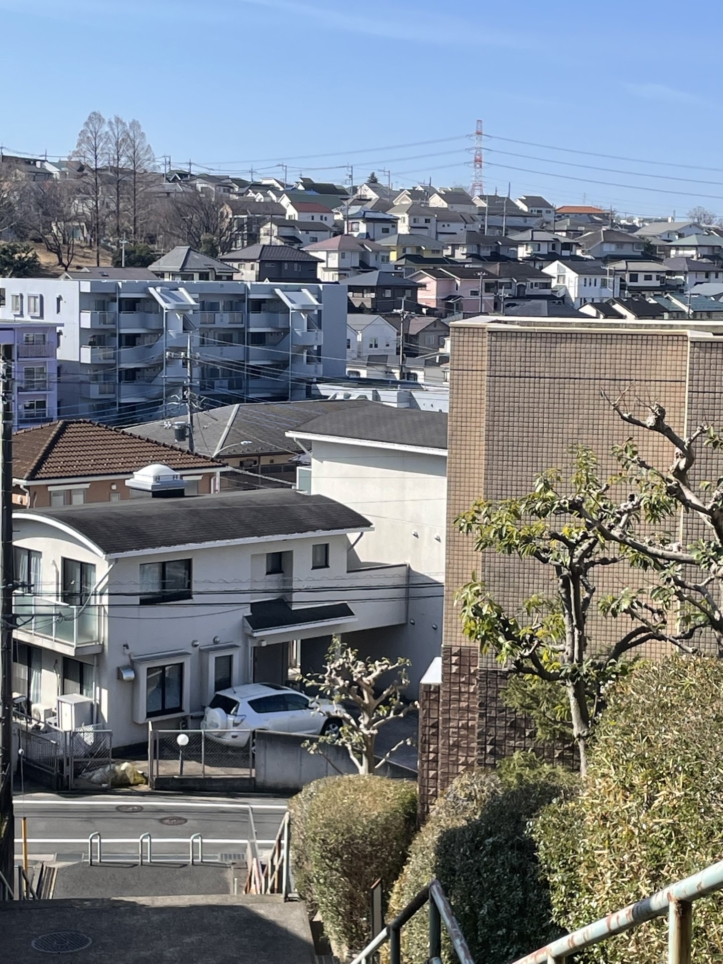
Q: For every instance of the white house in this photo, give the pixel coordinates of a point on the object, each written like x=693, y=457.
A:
x=343, y=256
x=389, y=464
x=148, y=606
x=369, y=334
x=455, y=199
x=584, y=281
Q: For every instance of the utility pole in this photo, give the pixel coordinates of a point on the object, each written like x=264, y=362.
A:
x=123, y=244
x=6, y=613
x=402, y=318
x=186, y=355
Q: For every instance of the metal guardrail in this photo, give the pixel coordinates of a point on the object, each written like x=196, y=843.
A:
x=676, y=900
x=274, y=876
x=439, y=913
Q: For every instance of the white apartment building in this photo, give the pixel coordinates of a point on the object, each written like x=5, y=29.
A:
x=121, y=352
x=147, y=607
x=390, y=465
x=30, y=324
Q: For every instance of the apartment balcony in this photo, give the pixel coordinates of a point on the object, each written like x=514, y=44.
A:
x=268, y=320
x=220, y=318
x=102, y=390
x=300, y=367
x=227, y=352
x=310, y=338
x=141, y=355
x=100, y=355
x=135, y=321
x=71, y=630
x=266, y=355
x=98, y=319
x=36, y=351
x=36, y=386
x=141, y=390
x=223, y=385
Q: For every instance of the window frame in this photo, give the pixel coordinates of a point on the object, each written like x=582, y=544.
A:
x=165, y=710
x=165, y=595
x=325, y=547
x=274, y=569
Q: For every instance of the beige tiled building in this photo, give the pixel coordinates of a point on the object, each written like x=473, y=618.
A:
x=521, y=393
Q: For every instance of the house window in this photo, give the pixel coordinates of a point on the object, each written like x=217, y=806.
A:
x=165, y=581
x=320, y=556
x=35, y=409
x=385, y=230
x=78, y=580
x=647, y=277
x=60, y=497
x=164, y=689
x=427, y=220
x=274, y=564
x=474, y=292
x=633, y=277
x=223, y=672
x=2, y=297
x=35, y=338
x=77, y=677
x=27, y=570
x=561, y=279
x=35, y=379
x=387, y=292
x=16, y=303
x=348, y=344
x=35, y=306
x=373, y=342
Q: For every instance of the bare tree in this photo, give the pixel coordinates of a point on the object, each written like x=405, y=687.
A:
x=117, y=154
x=195, y=217
x=702, y=215
x=54, y=218
x=139, y=161
x=91, y=151
x=362, y=702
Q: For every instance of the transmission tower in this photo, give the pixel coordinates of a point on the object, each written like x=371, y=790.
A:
x=477, y=180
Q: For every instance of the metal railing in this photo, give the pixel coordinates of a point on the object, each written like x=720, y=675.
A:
x=59, y=621
x=274, y=876
x=439, y=913
x=675, y=900
x=202, y=754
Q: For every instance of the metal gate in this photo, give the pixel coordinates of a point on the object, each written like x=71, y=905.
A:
x=192, y=755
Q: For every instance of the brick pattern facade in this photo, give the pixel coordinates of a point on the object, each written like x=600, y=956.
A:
x=429, y=746
x=520, y=395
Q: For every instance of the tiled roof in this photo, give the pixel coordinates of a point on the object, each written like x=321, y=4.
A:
x=133, y=525
x=185, y=258
x=267, y=252
x=382, y=423
x=80, y=449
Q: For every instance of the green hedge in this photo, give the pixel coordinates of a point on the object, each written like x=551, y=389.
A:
x=346, y=832
x=650, y=812
x=477, y=843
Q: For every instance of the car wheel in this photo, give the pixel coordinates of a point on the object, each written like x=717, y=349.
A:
x=331, y=728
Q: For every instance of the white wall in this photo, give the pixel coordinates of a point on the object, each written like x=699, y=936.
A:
x=404, y=495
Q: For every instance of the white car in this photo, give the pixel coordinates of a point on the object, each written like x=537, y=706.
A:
x=233, y=714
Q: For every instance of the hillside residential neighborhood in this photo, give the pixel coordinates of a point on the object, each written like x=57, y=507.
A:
x=361, y=511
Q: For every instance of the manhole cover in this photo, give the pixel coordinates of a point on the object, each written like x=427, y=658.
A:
x=62, y=942
x=173, y=821
x=129, y=808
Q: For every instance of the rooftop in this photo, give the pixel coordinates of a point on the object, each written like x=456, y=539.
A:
x=135, y=525
x=369, y=421
x=378, y=279
x=266, y=252
x=185, y=258
x=111, y=274
x=80, y=449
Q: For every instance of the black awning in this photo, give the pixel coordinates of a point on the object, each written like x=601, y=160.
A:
x=277, y=614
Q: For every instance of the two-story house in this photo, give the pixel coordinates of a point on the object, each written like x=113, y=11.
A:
x=183, y=263
x=509, y=283
x=308, y=209
x=609, y=244
x=536, y=244
x=538, y=207
x=450, y=290
x=692, y=271
x=293, y=233
x=147, y=607
x=380, y=291
x=413, y=218
x=696, y=246
x=344, y=255
x=639, y=275
x=417, y=245
x=454, y=199
x=373, y=225
x=272, y=262
x=474, y=244
x=583, y=281
x=369, y=334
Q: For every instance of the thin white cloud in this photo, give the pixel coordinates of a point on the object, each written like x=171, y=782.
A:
x=662, y=93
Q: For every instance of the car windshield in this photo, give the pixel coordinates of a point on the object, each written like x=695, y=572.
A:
x=226, y=703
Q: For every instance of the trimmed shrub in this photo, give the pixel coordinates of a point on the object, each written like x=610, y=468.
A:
x=650, y=811
x=477, y=843
x=354, y=830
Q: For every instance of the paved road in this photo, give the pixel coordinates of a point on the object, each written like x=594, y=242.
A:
x=59, y=824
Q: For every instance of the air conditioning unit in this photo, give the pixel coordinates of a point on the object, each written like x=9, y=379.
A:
x=74, y=711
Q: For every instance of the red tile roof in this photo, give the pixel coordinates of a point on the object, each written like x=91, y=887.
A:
x=78, y=449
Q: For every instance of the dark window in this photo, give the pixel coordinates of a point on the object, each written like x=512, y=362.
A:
x=647, y=277
x=164, y=689
x=295, y=701
x=225, y=703
x=222, y=672
x=165, y=581
x=269, y=704
x=78, y=582
x=27, y=570
x=633, y=277
x=77, y=677
x=274, y=564
x=2, y=297
x=320, y=556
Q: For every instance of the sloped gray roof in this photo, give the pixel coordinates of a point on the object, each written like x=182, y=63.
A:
x=377, y=279
x=185, y=258
x=267, y=252
x=136, y=524
x=382, y=423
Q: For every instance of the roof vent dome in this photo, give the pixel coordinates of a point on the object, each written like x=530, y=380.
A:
x=158, y=479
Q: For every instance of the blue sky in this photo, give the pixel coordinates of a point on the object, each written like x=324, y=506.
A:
x=388, y=84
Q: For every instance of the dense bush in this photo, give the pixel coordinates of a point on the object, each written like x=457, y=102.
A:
x=477, y=843
x=346, y=833
x=650, y=811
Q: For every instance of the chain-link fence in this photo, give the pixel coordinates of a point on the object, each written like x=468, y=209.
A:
x=57, y=758
x=194, y=754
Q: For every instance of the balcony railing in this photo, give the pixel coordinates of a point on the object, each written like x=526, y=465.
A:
x=58, y=621
x=33, y=385
x=96, y=354
x=36, y=351
x=98, y=319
